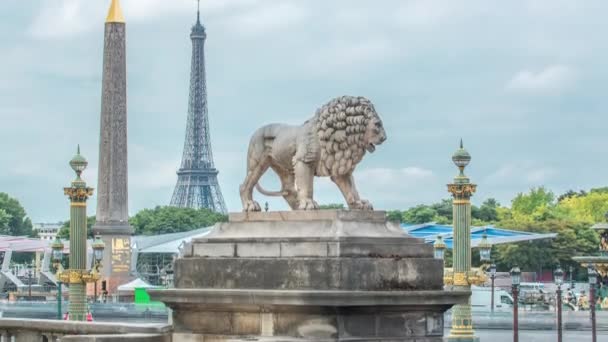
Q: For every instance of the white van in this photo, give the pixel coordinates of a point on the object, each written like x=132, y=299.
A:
x=532, y=287
x=481, y=299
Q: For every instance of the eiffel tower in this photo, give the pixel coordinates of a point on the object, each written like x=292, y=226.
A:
x=197, y=185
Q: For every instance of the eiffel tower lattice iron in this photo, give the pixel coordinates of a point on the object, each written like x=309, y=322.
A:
x=197, y=184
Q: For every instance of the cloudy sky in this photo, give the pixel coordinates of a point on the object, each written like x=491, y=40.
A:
x=520, y=81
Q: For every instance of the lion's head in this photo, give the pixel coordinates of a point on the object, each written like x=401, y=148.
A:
x=346, y=127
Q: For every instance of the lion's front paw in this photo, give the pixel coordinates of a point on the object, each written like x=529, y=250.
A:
x=362, y=205
x=308, y=204
x=251, y=206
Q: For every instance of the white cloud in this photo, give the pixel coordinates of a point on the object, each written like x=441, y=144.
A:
x=526, y=173
x=386, y=188
x=393, y=186
x=552, y=79
x=269, y=17
x=423, y=14
x=149, y=170
x=68, y=18
x=342, y=57
x=381, y=176
x=63, y=18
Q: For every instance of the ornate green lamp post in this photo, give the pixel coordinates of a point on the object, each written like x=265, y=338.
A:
x=592, y=300
x=558, y=276
x=515, y=281
x=57, y=256
x=439, y=247
x=98, y=247
x=462, y=277
x=77, y=275
x=597, y=266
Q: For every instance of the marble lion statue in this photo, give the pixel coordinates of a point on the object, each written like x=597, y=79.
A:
x=330, y=144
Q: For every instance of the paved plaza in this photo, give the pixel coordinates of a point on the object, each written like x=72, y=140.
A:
x=537, y=335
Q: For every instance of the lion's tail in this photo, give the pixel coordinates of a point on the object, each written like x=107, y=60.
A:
x=270, y=193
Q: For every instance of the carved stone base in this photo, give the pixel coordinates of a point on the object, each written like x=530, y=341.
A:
x=303, y=276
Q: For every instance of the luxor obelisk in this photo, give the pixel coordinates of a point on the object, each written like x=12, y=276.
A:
x=112, y=221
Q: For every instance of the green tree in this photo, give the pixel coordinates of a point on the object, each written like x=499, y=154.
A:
x=537, y=205
x=444, y=209
x=162, y=220
x=590, y=208
x=419, y=214
x=570, y=194
x=5, y=219
x=394, y=215
x=573, y=238
x=602, y=190
x=488, y=212
x=18, y=222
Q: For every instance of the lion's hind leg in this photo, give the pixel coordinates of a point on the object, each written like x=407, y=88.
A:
x=288, y=187
x=257, y=163
x=253, y=176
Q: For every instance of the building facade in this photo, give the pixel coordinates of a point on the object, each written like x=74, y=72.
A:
x=47, y=231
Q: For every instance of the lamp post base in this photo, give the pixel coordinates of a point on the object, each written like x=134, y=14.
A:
x=462, y=339
x=78, y=305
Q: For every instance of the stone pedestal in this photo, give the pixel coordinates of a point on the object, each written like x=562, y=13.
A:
x=116, y=263
x=299, y=276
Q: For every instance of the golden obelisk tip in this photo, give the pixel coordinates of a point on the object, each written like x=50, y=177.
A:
x=115, y=13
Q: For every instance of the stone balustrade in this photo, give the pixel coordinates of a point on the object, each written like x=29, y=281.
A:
x=38, y=330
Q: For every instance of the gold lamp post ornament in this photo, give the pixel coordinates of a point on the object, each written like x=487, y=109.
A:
x=77, y=274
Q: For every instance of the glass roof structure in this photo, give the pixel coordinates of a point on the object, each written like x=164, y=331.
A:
x=496, y=236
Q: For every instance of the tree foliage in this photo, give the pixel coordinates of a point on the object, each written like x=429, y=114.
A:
x=488, y=212
x=394, y=215
x=5, y=219
x=570, y=194
x=538, y=211
x=535, y=205
x=13, y=218
x=573, y=238
x=590, y=208
x=419, y=214
x=162, y=220
x=441, y=213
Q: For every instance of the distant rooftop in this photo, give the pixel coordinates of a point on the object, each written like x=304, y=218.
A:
x=38, y=226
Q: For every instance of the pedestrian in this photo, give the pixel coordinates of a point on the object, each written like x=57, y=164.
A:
x=583, y=301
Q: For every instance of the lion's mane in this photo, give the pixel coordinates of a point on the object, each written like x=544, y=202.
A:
x=340, y=128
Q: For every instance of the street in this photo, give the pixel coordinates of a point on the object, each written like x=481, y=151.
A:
x=536, y=336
